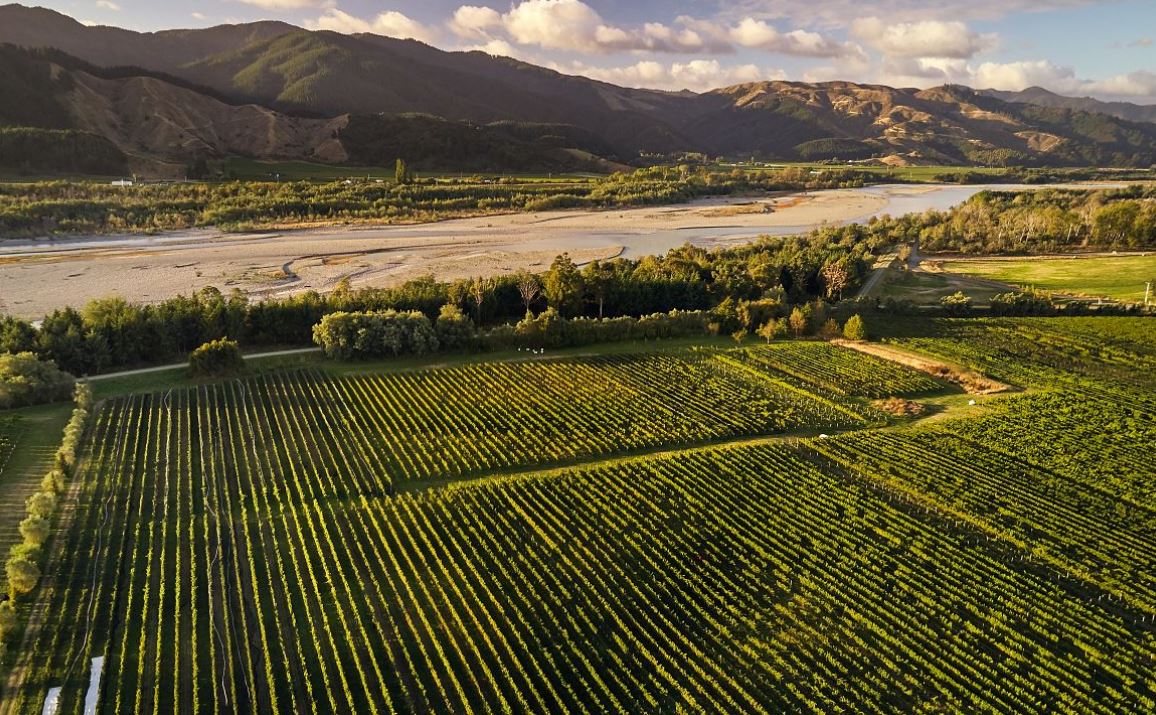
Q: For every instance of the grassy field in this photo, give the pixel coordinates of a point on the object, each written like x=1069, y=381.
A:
x=924, y=288
x=635, y=528
x=1117, y=277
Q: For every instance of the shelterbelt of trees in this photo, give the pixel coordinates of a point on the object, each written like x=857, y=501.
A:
x=88, y=207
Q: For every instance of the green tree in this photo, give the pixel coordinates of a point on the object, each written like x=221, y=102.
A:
x=42, y=504
x=563, y=286
x=35, y=530
x=836, y=278
x=8, y=621
x=773, y=329
x=402, y=173
x=798, y=322
x=64, y=339
x=27, y=380
x=855, y=329
x=454, y=329
x=479, y=290
x=216, y=358
x=905, y=256
x=16, y=336
x=597, y=279
x=829, y=330
x=22, y=571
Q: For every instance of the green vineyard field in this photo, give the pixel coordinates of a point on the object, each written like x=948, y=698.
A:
x=664, y=531
x=840, y=370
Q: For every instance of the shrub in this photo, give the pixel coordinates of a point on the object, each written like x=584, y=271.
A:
x=855, y=329
x=216, y=358
x=27, y=380
x=829, y=330
x=956, y=305
x=454, y=329
x=22, y=571
x=1028, y=302
x=345, y=336
x=35, y=530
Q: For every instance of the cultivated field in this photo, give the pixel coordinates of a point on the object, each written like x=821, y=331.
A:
x=632, y=536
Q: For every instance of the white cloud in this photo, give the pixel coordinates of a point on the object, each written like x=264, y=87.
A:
x=198, y=16
x=1135, y=85
x=390, y=24
x=289, y=4
x=927, y=38
x=574, y=26
x=762, y=35
x=555, y=24
x=475, y=22
x=834, y=13
x=696, y=75
x=108, y=5
x=498, y=48
x=1014, y=76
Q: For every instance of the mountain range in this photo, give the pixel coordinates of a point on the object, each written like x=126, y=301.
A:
x=270, y=90
x=1046, y=98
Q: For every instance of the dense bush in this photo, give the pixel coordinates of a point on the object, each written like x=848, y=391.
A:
x=956, y=305
x=1028, y=302
x=62, y=151
x=347, y=336
x=26, y=380
x=552, y=330
x=1046, y=220
x=217, y=358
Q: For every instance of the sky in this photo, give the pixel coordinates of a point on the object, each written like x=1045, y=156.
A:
x=1100, y=48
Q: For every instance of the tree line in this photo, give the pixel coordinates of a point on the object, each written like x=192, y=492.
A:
x=23, y=567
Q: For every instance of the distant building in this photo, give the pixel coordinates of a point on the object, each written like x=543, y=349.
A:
x=122, y=182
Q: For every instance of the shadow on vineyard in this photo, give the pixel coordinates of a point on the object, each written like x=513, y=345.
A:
x=717, y=529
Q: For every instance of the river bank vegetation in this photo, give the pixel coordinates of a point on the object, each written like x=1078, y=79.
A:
x=85, y=207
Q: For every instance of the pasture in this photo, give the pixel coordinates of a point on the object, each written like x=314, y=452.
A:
x=1103, y=276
